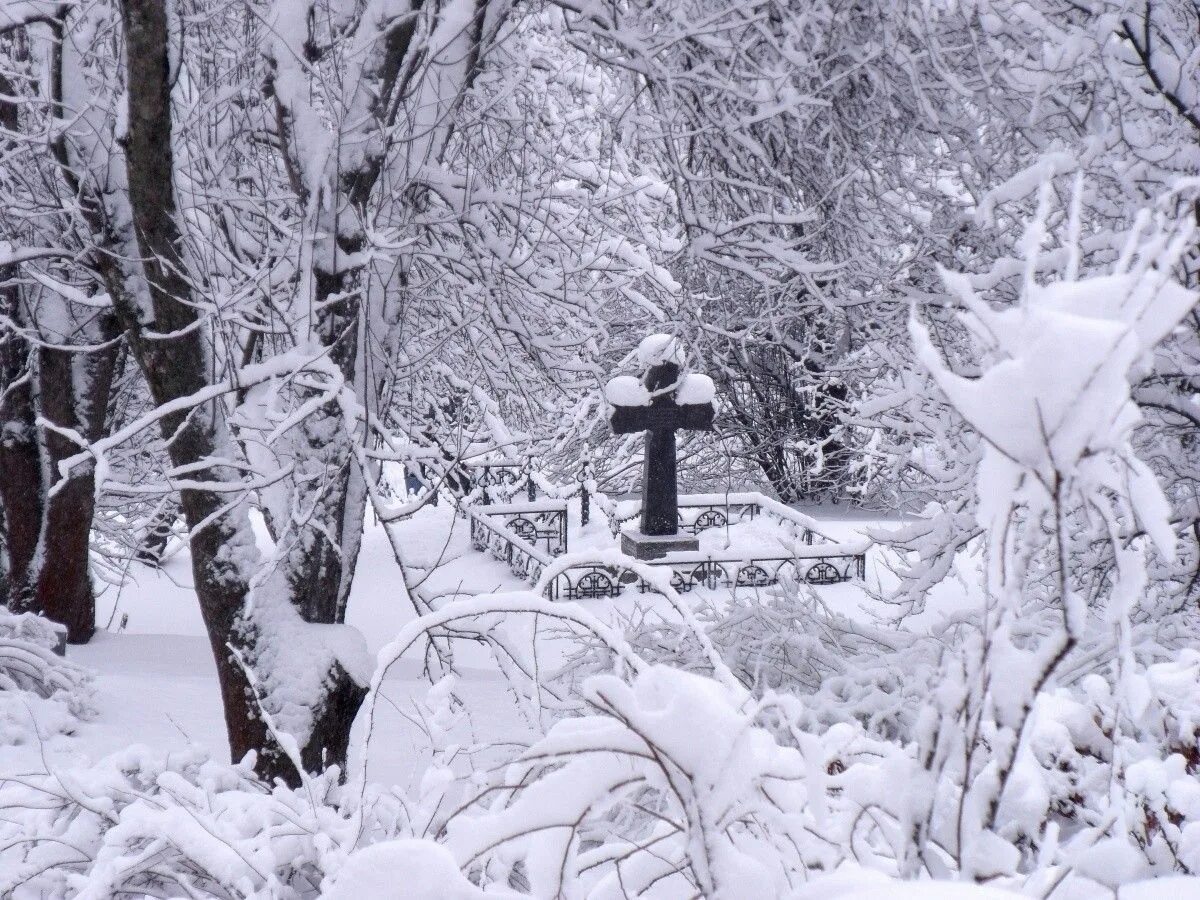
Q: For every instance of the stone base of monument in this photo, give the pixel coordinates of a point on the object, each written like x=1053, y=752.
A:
x=656, y=546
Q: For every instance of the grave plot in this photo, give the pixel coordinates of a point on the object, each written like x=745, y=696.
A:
x=743, y=540
x=711, y=541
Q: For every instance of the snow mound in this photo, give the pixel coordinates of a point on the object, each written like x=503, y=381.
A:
x=656, y=349
x=625, y=390
x=426, y=870
x=41, y=693
x=695, y=389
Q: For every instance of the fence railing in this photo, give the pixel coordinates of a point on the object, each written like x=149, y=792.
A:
x=492, y=536
x=590, y=580
x=527, y=537
x=699, y=512
x=537, y=520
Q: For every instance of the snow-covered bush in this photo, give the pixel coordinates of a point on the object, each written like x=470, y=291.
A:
x=143, y=823
x=680, y=783
x=783, y=638
x=674, y=782
x=1150, y=747
x=611, y=804
x=1052, y=404
x=37, y=685
x=677, y=786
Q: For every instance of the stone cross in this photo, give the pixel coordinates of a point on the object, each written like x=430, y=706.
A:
x=660, y=403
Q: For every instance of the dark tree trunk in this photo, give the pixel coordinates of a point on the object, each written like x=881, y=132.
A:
x=3, y=557
x=322, y=570
x=20, y=462
x=174, y=369
x=49, y=532
x=70, y=389
x=322, y=575
x=20, y=469
x=60, y=584
x=73, y=390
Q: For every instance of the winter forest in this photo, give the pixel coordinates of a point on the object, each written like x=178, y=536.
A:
x=600, y=449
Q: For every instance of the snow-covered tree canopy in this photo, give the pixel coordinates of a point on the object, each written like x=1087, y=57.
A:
x=292, y=292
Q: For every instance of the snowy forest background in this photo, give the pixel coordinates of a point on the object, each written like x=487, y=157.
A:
x=259, y=259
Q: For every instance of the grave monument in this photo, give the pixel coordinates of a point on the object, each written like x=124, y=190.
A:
x=664, y=400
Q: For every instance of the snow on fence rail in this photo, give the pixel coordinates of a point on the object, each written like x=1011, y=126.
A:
x=510, y=533
x=591, y=580
x=492, y=536
x=537, y=520
x=698, y=512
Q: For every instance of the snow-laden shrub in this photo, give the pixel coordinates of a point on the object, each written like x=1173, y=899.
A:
x=1084, y=744
x=784, y=639
x=147, y=824
x=1094, y=793
x=143, y=823
x=675, y=783
x=672, y=781
x=1057, y=456
x=673, y=786
x=37, y=685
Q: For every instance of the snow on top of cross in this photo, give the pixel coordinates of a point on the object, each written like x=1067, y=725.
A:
x=656, y=349
x=625, y=390
x=695, y=389
x=692, y=390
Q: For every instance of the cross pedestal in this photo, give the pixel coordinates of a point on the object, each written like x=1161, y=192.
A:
x=649, y=546
x=659, y=404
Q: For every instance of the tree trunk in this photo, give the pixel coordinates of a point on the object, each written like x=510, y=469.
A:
x=158, y=534
x=321, y=559
x=73, y=389
x=20, y=463
x=222, y=542
x=20, y=496
x=49, y=532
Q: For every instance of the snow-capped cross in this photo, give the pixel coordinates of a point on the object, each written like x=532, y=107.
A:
x=660, y=403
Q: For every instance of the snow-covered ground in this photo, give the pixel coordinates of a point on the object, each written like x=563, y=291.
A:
x=156, y=679
x=156, y=682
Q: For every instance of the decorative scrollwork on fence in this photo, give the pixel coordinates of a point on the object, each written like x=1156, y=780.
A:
x=596, y=584
x=710, y=518
x=523, y=528
x=708, y=574
x=512, y=535
x=536, y=523
x=823, y=572
x=754, y=576
x=587, y=582
x=508, y=545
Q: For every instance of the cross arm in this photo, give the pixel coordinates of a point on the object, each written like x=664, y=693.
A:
x=690, y=417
